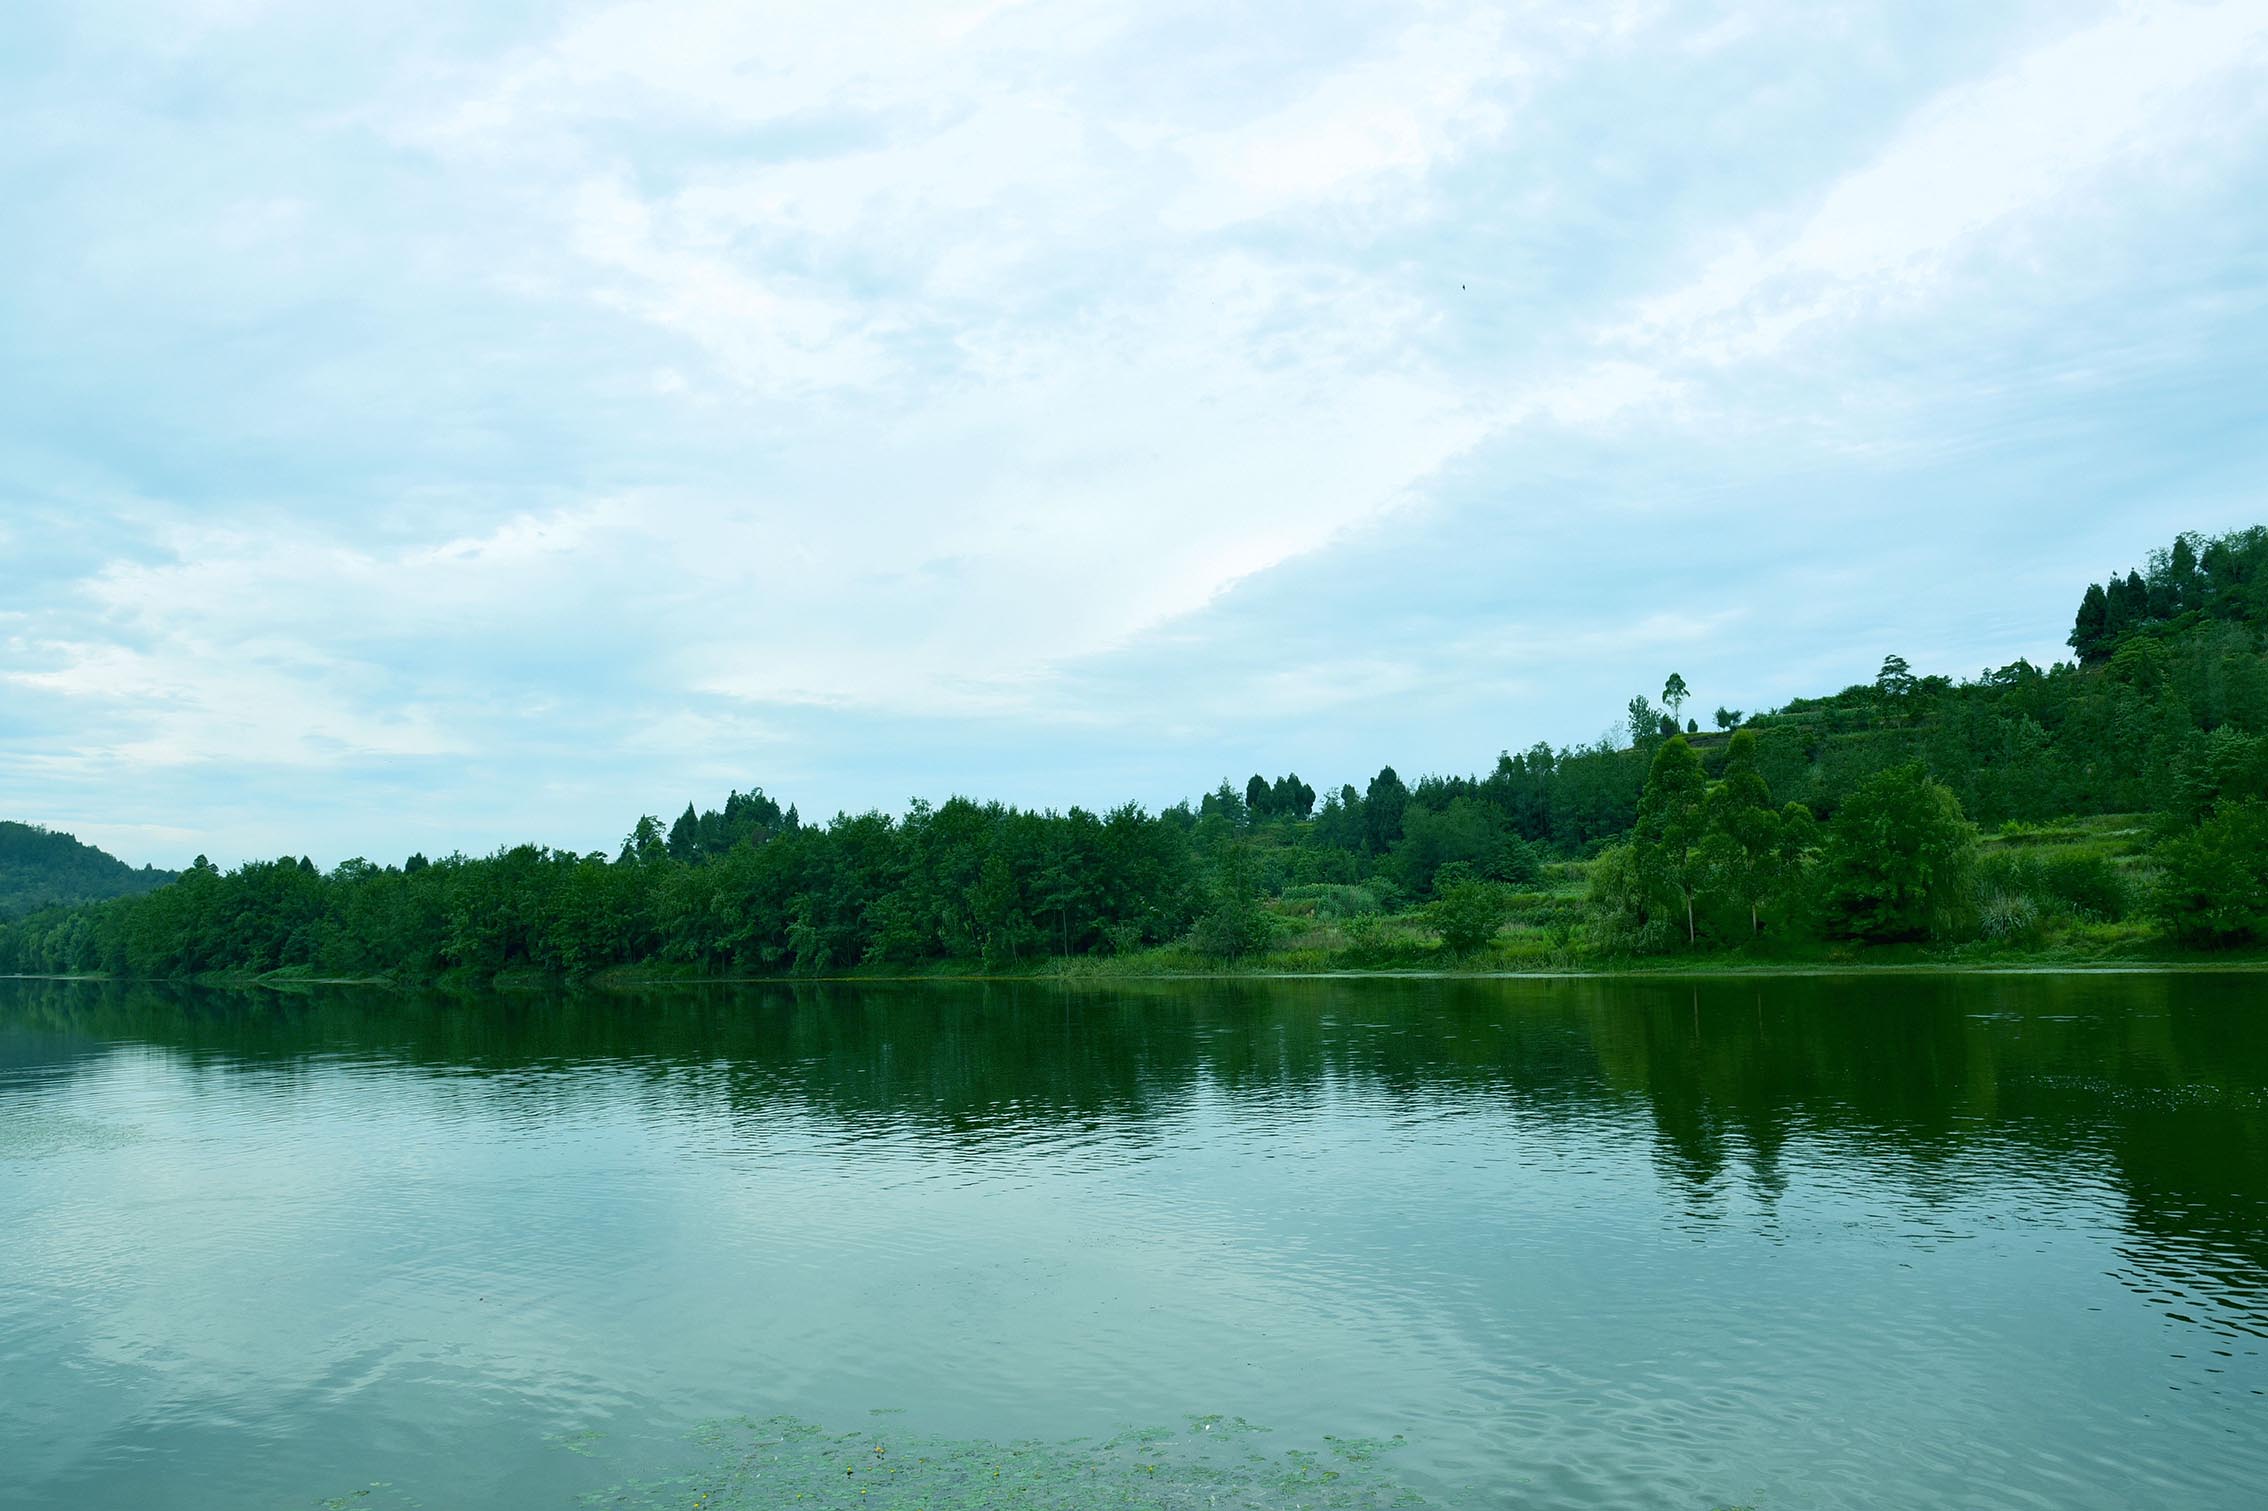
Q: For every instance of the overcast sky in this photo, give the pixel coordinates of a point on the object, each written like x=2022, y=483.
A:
x=433, y=425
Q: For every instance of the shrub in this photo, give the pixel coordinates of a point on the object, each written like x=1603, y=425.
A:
x=1334, y=901
x=1468, y=913
x=2088, y=882
x=1626, y=918
x=2009, y=918
x=2213, y=890
x=1234, y=928
x=1376, y=940
x=2085, y=884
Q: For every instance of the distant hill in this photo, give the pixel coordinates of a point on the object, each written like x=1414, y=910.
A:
x=40, y=868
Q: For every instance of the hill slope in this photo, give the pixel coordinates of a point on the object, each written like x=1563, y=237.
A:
x=40, y=868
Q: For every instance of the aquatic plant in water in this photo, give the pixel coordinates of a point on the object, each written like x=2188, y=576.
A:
x=1212, y=1462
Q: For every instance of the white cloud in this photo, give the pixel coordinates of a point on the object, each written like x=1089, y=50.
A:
x=250, y=703
x=1055, y=410
x=765, y=331
x=2019, y=143
x=1598, y=396
x=1393, y=116
x=698, y=357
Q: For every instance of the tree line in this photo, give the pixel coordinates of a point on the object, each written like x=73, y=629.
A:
x=2196, y=579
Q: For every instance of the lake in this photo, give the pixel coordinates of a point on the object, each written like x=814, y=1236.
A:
x=1958, y=1241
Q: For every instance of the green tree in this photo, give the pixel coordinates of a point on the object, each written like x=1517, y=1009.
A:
x=2090, y=632
x=1672, y=817
x=645, y=843
x=1901, y=860
x=2213, y=886
x=2181, y=572
x=1226, y=803
x=1674, y=693
x=1468, y=832
x=1291, y=797
x=685, y=836
x=1743, y=860
x=1234, y=927
x=1339, y=822
x=1382, y=808
x=1645, y=720
x=1626, y=915
x=1468, y=911
x=1895, y=682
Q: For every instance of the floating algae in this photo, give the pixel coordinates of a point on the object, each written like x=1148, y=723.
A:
x=1211, y=1463
x=37, y=1132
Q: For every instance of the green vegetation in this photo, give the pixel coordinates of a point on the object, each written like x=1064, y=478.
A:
x=2121, y=798
x=40, y=868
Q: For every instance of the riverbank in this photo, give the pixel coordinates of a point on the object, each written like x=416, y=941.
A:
x=1163, y=965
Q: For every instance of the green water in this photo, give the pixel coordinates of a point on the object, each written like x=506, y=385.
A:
x=1927, y=1242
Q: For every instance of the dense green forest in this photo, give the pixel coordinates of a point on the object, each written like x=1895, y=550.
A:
x=2116, y=803
x=40, y=869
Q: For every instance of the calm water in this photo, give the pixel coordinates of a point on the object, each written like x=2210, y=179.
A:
x=1915, y=1242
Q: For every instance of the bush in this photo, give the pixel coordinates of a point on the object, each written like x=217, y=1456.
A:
x=2088, y=882
x=1330, y=901
x=1626, y=919
x=1376, y=940
x=1519, y=863
x=2009, y=918
x=2085, y=884
x=1234, y=928
x=2214, y=887
x=1468, y=912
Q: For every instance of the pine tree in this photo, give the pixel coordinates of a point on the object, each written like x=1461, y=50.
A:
x=2181, y=573
x=2092, y=628
x=685, y=835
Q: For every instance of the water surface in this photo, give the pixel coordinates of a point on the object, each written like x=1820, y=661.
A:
x=1962, y=1241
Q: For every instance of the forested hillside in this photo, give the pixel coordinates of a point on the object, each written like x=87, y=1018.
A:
x=2106, y=804
x=40, y=868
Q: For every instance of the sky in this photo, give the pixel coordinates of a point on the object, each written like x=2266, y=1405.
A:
x=440, y=425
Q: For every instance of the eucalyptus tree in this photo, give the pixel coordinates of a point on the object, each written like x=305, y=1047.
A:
x=1672, y=820
x=1674, y=693
x=1741, y=855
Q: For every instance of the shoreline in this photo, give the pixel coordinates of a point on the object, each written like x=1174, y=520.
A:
x=636, y=979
